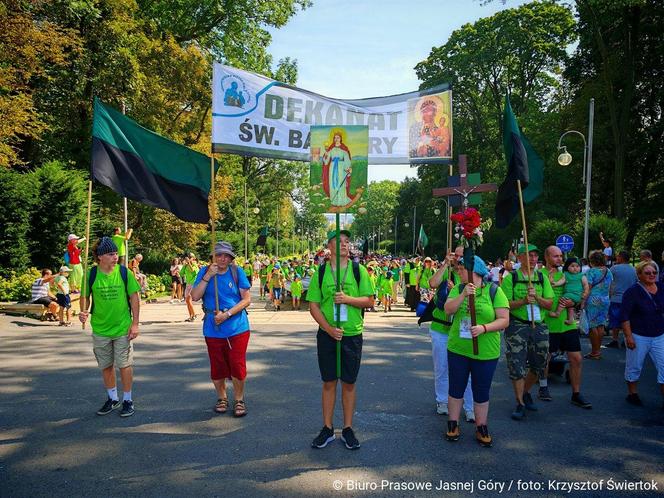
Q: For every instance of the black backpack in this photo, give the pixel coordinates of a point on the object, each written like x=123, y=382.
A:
x=125, y=278
x=515, y=279
x=356, y=274
x=427, y=315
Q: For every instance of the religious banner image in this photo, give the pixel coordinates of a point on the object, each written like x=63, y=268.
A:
x=430, y=128
x=255, y=116
x=338, y=173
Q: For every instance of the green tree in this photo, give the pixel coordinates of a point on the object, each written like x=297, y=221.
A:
x=17, y=198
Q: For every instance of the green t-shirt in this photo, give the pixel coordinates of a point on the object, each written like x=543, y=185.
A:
x=263, y=274
x=414, y=275
x=111, y=317
x=488, y=343
x=119, y=240
x=189, y=273
x=427, y=273
x=440, y=314
x=62, y=280
x=355, y=322
x=296, y=288
x=248, y=270
x=556, y=325
x=386, y=286
x=520, y=291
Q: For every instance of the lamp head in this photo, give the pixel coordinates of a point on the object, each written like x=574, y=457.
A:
x=564, y=158
x=436, y=211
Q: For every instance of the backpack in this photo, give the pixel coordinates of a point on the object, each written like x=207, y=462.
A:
x=356, y=274
x=515, y=279
x=66, y=259
x=93, y=276
x=427, y=314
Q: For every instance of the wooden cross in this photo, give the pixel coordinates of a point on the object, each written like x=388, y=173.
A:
x=462, y=186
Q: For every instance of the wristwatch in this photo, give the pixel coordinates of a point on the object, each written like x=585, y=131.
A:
x=229, y=314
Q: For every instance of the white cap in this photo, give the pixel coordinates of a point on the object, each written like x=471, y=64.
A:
x=72, y=237
x=64, y=268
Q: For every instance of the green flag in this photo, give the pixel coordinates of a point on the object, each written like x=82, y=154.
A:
x=422, y=240
x=141, y=165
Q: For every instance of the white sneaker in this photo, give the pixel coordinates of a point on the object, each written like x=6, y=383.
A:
x=441, y=408
x=470, y=416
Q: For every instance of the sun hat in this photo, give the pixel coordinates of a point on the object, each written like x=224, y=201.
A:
x=64, y=269
x=224, y=247
x=72, y=236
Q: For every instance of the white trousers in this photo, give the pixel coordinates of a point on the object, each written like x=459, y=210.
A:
x=634, y=358
x=441, y=375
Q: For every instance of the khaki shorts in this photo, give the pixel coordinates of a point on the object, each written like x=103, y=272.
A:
x=111, y=351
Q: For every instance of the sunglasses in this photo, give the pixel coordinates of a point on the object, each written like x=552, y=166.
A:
x=649, y=273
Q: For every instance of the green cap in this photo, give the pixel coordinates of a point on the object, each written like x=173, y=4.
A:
x=333, y=233
x=531, y=247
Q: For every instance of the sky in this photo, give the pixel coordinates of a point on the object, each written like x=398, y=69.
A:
x=349, y=49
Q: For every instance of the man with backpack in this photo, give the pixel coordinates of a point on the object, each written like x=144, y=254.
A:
x=355, y=294
x=115, y=308
x=526, y=338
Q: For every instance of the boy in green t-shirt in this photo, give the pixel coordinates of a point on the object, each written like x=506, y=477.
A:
x=296, y=291
x=352, y=298
x=188, y=273
x=114, y=323
x=119, y=240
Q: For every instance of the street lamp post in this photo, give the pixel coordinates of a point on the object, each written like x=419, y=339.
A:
x=565, y=158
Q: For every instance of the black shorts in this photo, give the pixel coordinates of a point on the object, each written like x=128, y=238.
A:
x=564, y=341
x=44, y=301
x=176, y=280
x=351, y=355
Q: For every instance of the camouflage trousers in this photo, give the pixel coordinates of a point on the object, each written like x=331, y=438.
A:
x=526, y=348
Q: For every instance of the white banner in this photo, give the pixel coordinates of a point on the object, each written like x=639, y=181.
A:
x=255, y=116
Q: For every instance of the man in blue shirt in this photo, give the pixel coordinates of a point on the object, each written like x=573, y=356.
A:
x=624, y=276
x=225, y=326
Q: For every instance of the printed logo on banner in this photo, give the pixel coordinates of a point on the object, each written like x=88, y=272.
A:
x=235, y=91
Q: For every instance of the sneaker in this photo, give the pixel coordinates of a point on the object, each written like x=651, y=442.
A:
x=349, y=439
x=613, y=345
x=528, y=401
x=470, y=416
x=109, y=406
x=325, y=437
x=127, y=409
x=544, y=394
x=519, y=412
x=483, y=437
x=633, y=399
x=453, y=432
x=441, y=408
x=579, y=400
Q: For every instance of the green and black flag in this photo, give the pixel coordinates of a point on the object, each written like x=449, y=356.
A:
x=523, y=163
x=262, y=237
x=141, y=165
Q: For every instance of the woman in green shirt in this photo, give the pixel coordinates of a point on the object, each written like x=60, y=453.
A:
x=492, y=312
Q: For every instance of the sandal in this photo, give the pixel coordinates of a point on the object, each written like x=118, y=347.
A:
x=239, y=408
x=591, y=356
x=221, y=406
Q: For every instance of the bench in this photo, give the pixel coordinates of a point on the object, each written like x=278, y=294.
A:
x=25, y=309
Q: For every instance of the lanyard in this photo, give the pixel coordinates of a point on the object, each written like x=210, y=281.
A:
x=343, y=280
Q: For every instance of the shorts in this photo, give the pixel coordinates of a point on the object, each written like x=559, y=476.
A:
x=276, y=293
x=228, y=357
x=351, y=356
x=113, y=351
x=526, y=348
x=45, y=301
x=480, y=372
x=63, y=300
x=187, y=290
x=614, y=316
x=565, y=341
x=175, y=279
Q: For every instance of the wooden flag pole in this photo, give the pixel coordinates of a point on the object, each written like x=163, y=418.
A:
x=525, y=244
x=214, y=234
x=83, y=301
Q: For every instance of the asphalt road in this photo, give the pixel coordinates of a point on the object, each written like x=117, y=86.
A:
x=53, y=444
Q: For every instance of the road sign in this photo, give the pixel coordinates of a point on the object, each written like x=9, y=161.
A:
x=565, y=242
